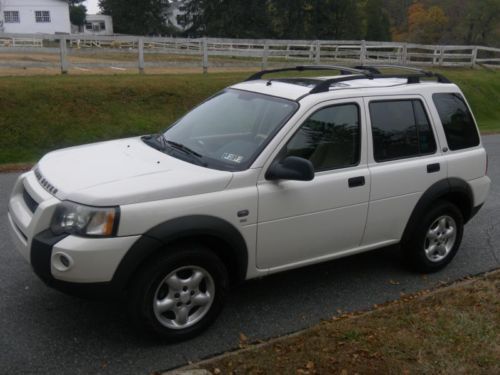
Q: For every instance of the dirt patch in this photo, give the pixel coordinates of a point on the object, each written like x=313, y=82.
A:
x=15, y=167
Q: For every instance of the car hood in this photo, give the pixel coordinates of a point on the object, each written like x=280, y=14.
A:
x=124, y=171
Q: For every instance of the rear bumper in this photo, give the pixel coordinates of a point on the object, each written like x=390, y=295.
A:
x=480, y=188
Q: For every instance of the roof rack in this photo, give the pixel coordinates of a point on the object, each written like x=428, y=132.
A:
x=358, y=72
x=426, y=73
x=343, y=69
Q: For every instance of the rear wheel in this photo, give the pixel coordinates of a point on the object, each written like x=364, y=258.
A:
x=179, y=294
x=436, y=239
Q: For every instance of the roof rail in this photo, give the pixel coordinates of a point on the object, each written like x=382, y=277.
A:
x=371, y=69
x=425, y=73
x=352, y=74
x=324, y=86
x=301, y=68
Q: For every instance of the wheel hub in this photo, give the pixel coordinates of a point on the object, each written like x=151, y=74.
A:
x=440, y=238
x=184, y=297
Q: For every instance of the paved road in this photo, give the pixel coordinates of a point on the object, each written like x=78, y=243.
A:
x=43, y=331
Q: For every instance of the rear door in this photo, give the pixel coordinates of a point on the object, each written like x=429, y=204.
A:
x=404, y=161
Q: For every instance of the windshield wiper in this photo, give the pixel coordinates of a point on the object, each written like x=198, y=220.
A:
x=154, y=141
x=182, y=147
x=159, y=142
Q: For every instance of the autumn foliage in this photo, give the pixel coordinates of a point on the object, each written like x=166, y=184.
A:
x=426, y=25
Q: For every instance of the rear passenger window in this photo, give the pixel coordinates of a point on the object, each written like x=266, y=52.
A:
x=457, y=121
x=400, y=129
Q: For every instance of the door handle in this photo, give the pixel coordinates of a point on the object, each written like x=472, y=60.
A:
x=431, y=168
x=356, y=181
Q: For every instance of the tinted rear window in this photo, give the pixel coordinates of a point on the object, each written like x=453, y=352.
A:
x=458, y=124
x=400, y=129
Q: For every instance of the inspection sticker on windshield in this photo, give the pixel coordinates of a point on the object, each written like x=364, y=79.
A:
x=232, y=157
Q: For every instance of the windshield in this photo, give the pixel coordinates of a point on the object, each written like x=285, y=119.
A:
x=229, y=130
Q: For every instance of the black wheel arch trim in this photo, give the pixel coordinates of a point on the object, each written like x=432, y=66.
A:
x=440, y=190
x=159, y=237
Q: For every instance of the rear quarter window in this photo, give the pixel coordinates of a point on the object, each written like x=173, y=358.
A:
x=458, y=124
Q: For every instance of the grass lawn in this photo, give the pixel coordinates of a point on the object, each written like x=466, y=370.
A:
x=455, y=330
x=42, y=113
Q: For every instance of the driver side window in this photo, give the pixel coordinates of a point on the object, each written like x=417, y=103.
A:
x=330, y=138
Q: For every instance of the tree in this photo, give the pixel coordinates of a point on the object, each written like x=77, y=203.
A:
x=226, y=18
x=482, y=22
x=426, y=25
x=145, y=17
x=286, y=19
x=378, y=26
x=337, y=19
x=77, y=12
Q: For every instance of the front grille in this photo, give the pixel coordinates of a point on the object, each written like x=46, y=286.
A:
x=30, y=202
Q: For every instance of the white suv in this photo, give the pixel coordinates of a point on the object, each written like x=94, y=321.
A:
x=265, y=176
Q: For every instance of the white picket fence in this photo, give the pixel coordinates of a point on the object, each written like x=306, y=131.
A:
x=243, y=52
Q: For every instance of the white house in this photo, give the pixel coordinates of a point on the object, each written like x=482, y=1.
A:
x=34, y=16
x=98, y=24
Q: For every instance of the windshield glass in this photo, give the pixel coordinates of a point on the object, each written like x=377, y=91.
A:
x=229, y=130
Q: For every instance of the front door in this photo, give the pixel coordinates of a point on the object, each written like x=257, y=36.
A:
x=305, y=221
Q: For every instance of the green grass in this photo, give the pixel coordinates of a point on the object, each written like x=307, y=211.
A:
x=42, y=113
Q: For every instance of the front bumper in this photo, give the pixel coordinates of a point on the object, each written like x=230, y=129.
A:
x=91, y=282
x=93, y=261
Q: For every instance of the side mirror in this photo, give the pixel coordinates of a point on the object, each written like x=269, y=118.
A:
x=291, y=168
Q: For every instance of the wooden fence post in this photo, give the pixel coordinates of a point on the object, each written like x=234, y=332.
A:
x=265, y=53
x=441, y=56
x=474, y=57
x=205, y=55
x=405, y=54
x=63, y=53
x=317, y=57
x=362, y=54
x=140, y=47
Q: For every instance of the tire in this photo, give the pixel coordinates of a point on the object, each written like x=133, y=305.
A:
x=179, y=294
x=436, y=239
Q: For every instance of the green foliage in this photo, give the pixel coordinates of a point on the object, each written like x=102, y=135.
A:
x=292, y=19
x=77, y=14
x=226, y=18
x=421, y=21
x=377, y=21
x=146, y=17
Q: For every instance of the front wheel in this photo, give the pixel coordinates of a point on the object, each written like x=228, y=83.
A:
x=436, y=239
x=179, y=294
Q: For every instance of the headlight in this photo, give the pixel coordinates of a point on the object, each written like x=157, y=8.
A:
x=73, y=218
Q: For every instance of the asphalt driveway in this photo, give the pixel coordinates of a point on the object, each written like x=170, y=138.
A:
x=44, y=331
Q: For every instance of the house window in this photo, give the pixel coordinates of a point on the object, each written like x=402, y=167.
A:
x=11, y=16
x=88, y=26
x=103, y=26
x=42, y=16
